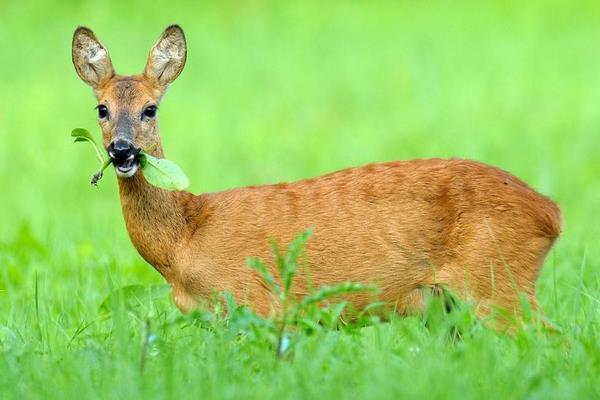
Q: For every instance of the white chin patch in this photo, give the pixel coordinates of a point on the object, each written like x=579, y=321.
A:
x=127, y=173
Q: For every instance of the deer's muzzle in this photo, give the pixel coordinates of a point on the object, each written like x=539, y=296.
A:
x=124, y=156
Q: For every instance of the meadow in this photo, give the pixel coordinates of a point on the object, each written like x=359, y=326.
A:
x=280, y=91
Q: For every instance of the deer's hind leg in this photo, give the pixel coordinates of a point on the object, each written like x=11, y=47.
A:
x=499, y=280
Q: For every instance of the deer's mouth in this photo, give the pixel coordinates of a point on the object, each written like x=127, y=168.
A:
x=126, y=167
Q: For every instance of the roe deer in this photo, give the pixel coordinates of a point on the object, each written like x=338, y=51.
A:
x=404, y=226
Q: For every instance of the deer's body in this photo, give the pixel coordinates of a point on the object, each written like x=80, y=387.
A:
x=403, y=226
x=400, y=225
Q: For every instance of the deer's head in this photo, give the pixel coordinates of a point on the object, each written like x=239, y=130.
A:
x=128, y=105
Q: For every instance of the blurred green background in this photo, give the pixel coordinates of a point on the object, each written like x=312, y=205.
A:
x=279, y=91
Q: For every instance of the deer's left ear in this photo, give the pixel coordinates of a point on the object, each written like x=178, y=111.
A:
x=91, y=58
x=167, y=57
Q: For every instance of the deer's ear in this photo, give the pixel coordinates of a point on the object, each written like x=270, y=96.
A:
x=167, y=57
x=91, y=58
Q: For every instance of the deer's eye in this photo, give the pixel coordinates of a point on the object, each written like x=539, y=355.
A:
x=102, y=111
x=149, y=112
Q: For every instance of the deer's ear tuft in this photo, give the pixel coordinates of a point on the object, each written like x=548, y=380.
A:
x=167, y=57
x=90, y=58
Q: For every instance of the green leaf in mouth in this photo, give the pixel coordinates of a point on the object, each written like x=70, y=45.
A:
x=159, y=172
x=163, y=173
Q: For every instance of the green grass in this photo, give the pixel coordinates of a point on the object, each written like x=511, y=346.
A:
x=276, y=92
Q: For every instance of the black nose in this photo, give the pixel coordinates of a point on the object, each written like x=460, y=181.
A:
x=120, y=149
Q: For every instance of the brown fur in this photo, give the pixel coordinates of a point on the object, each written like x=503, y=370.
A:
x=403, y=226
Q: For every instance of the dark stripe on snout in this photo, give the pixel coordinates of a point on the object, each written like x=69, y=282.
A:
x=124, y=129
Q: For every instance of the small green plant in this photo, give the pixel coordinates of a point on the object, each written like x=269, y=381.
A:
x=295, y=318
x=315, y=312
x=159, y=172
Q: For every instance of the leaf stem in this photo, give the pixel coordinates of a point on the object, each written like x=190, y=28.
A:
x=98, y=175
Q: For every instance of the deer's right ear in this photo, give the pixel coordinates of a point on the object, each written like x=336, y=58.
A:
x=91, y=58
x=167, y=57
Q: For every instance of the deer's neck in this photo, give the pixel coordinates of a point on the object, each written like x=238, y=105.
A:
x=155, y=220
